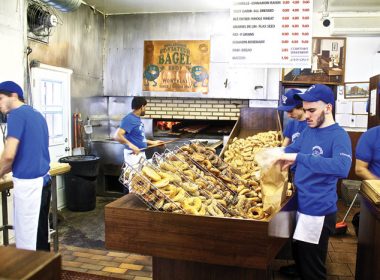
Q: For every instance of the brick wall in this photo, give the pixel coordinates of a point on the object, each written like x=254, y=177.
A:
x=191, y=108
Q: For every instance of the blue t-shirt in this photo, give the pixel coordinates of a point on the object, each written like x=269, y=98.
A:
x=323, y=156
x=30, y=128
x=368, y=149
x=293, y=129
x=134, y=128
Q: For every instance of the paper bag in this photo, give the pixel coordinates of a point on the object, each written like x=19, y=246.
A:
x=274, y=184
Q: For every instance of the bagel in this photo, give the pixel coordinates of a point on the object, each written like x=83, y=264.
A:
x=202, y=211
x=193, y=202
x=198, y=157
x=207, y=164
x=161, y=183
x=140, y=185
x=256, y=213
x=189, y=187
x=159, y=203
x=169, y=190
x=179, y=196
x=214, y=210
x=171, y=207
x=149, y=172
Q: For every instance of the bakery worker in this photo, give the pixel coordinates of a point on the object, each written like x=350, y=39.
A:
x=368, y=155
x=292, y=131
x=131, y=132
x=323, y=155
x=26, y=154
x=294, y=110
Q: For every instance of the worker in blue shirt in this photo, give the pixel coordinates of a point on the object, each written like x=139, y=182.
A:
x=294, y=127
x=323, y=155
x=293, y=108
x=131, y=132
x=26, y=154
x=368, y=155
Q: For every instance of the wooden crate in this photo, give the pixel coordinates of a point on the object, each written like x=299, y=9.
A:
x=195, y=247
x=253, y=121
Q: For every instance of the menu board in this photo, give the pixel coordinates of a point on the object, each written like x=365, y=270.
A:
x=272, y=33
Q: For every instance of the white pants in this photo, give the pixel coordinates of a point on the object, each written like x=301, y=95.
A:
x=131, y=158
x=27, y=204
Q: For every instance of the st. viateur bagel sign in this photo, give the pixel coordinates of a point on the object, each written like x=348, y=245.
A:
x=176, y=66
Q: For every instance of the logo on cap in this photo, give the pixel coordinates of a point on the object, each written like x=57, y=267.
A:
x=284, y=98
x=310, y=88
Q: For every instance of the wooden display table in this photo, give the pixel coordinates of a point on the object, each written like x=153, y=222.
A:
x=6, y=184
x=23, y=264
x=191, y=247
x=368, y=253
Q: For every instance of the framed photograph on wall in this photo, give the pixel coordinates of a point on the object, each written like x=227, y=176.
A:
x=327, y=64
x=356, y=90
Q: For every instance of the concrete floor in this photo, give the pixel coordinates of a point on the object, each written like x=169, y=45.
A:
x=81, y=237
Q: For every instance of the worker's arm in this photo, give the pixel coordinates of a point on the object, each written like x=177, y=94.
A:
x=119, y=136
x=286, y=142
x=361, y=169
x=8, y=156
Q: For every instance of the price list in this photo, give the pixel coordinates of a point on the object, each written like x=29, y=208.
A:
x=272, y=33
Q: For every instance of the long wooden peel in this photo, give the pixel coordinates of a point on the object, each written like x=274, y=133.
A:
x=160, y=144
x=279, y=125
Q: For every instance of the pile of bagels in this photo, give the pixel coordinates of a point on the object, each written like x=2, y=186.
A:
x=193, y=179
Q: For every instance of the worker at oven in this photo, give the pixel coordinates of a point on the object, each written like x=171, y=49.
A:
x=131, y=132
x=295, y=112
x=26, y=154
x=323, y=155
x=368, y=155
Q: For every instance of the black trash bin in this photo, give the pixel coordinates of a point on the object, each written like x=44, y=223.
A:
x=80, y=182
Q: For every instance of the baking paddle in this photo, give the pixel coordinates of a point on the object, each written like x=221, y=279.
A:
x=160, y=144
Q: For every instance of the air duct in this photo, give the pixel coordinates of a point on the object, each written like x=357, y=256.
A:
x=64, y=5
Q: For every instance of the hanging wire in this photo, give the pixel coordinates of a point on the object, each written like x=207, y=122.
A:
x=28, y=77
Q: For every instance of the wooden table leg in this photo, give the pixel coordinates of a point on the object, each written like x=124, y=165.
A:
x=54, y=211
x=4, y=205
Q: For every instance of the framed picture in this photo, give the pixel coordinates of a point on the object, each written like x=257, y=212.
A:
x=356, y=90
x=327, y=64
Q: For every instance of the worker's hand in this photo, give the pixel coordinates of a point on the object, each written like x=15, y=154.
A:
x=134, y=149
x=285, y=160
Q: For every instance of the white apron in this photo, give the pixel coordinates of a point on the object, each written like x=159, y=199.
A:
x=27, y=204
x=308, y=228
x=131, y=158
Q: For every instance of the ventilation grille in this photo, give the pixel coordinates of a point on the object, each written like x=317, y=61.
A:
x=355, y=26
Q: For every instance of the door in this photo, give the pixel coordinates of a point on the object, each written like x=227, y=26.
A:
x=51, y=96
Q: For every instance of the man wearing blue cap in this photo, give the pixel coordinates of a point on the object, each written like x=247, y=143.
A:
x=294, y=110
x=323, y=155
x=26, y=154
x=296, y=124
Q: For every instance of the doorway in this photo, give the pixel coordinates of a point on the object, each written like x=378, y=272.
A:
x=51, y=96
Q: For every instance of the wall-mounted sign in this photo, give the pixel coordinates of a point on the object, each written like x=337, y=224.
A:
x=178, y=66
x=328, y=56
x=271, y=33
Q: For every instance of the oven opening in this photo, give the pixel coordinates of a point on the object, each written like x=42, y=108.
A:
x=192, y=128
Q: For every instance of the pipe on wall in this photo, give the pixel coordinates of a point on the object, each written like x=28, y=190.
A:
x=64, y=5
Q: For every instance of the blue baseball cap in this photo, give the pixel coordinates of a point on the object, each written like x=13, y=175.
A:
x=11, y=87
x=288, y=102
x=317, y=92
